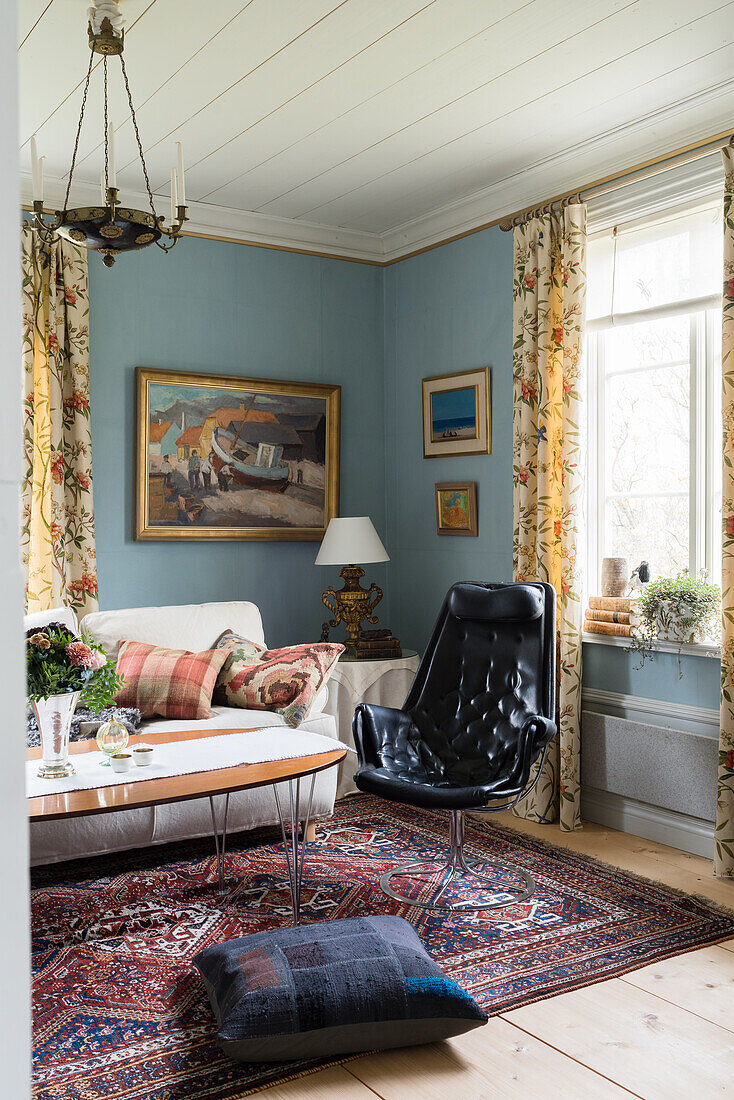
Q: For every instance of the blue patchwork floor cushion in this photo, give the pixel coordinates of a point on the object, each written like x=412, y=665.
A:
x=337, y=987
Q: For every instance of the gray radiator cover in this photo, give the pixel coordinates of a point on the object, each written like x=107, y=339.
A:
x=663, y=767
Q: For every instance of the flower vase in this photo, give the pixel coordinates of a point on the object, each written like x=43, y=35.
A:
x=54, y=717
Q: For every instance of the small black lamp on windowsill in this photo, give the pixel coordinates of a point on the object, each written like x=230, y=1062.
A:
x=353, y=540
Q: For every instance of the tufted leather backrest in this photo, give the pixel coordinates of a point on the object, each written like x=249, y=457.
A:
x=489, y=666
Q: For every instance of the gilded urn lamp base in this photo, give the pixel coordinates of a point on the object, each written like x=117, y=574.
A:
x=352, y=604
x=351, y=539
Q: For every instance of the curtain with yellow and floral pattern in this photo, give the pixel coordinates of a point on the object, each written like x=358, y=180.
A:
x=549, y=289
x=57, y=525
x=724, y=831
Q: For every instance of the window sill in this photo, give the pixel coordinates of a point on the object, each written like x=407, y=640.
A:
x=702, y=649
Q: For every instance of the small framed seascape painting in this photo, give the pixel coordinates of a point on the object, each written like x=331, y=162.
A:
x=222, y=457
x=456, y=508
x=457, y=414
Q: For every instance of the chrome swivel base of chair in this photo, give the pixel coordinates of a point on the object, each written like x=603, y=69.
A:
x=431, y=879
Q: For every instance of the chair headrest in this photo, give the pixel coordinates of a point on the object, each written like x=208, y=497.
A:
x=510, y=603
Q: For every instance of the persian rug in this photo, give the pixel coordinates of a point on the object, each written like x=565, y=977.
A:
x=119, y=1011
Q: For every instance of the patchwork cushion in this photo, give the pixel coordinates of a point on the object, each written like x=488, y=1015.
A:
x=172, y=683
x=282, y=680
x=338, y=987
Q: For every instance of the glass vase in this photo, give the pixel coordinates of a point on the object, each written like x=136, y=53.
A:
x=54, y=717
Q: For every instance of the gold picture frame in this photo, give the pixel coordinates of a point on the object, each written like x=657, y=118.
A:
x=456, y=508
x=267, y=451
x=457, y=416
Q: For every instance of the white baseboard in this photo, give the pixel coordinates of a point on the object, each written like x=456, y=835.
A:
x=690, y=834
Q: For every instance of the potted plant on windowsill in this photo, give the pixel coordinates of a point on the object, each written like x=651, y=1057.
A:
x=680, y=609
x=61, y=669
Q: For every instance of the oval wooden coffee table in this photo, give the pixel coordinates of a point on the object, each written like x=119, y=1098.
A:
x=182, y=788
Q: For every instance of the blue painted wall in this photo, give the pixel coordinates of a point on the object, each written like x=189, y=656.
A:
x=449, y=310
x=446, y=310
x=231, y=309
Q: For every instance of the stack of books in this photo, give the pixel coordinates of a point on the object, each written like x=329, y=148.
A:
x=377, y=645
x=613, y=615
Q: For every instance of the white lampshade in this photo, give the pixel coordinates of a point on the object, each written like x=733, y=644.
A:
x=351, y=540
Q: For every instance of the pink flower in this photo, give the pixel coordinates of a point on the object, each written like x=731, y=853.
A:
x=83, y=656
x=40, y=640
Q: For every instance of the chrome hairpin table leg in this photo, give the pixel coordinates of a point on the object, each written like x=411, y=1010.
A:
x=220, y=840
x=295, y=849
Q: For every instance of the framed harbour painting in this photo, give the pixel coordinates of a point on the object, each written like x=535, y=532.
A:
x=456, y=508
x=222, y=457
x=457, y=414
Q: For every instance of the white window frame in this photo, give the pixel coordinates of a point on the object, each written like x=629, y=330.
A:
x=705, y=433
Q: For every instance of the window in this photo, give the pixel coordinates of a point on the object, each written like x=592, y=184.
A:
x=654, y=368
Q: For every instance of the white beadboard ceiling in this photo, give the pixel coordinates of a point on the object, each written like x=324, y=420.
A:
x=372, y=128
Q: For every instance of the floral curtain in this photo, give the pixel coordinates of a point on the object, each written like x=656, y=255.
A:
x=724, y=831
x=549, y=288
x=57, y=525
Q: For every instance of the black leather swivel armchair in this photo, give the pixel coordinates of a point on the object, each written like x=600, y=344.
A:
x=480, y=712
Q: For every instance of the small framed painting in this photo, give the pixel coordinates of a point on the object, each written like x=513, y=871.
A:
x=457, y=414
x=456, y=508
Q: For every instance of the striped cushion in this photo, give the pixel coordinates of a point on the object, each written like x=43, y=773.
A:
x=173, y=683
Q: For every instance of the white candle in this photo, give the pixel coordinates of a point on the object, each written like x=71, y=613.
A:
x=40, y=178
x=180, y=177
x=111, y=171
x=173, y=196
x=34, y=167
x=103, y=187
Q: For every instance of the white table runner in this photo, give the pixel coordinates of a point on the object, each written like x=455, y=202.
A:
x=183, y=757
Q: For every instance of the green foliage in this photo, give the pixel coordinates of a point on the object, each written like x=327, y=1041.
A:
x=50, y=669
x=694, y=601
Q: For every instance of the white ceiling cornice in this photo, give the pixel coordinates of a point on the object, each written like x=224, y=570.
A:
x=223, y=223
x=619, y=149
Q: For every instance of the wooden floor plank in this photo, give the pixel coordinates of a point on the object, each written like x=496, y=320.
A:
x=701, y=982
x=496, y=1061
x=691, y=874
x=647, y=1045
x=329, y=1084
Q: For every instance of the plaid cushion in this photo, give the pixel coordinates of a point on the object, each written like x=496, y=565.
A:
x=285, y=681
x=170, y=682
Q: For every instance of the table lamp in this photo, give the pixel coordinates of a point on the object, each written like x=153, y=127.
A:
x=351, y=539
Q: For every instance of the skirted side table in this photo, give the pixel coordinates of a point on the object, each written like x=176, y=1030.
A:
x=384, y=682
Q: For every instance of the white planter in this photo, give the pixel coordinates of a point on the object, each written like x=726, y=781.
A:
x=669, y=618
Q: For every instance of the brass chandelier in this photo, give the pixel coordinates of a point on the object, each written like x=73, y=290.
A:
x=109, y=228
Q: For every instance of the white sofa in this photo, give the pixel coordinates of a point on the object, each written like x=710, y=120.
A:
x=193, y=627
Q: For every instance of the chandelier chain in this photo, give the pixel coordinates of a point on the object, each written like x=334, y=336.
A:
x=106, y=130
x=137, y=136
x=78, y=131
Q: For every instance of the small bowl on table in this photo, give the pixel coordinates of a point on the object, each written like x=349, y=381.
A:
x=143, y=755
x=121, y=762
